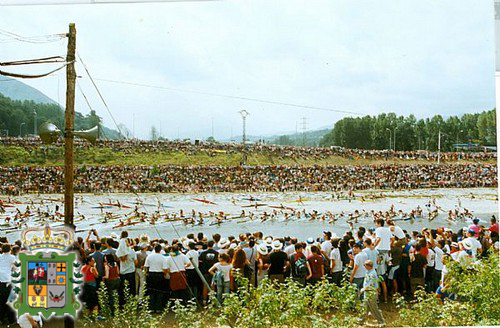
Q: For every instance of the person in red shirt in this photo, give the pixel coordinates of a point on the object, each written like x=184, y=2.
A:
x=89, y=271
x=494, y=224
x=316, y=264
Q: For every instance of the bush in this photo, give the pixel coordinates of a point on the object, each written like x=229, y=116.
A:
x=476, y=286
x=133, y=314
x=274, y=305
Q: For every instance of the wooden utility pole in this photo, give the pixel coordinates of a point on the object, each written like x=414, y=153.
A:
x=68, y=127
x=68, y=139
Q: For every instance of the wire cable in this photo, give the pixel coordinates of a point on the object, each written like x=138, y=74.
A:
x=24, y=76
x=32, y=39
x=102, y=98
x=234, y=97
x=46, y=60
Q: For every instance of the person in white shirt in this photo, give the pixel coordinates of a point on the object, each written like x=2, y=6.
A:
x=177, y=263
x=438, y=265
x=156, y=266
x=290, y=249
x=476, y=245
x=128, y=263
x=429, y=270
x=194, y=280
x=336, y=262
x=6, y=264
x=383, y=234
x=326, y=246
x=358, y=271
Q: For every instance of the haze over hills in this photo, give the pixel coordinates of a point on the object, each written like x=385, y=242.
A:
x=17, y=90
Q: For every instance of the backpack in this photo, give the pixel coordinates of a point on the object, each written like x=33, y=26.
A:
x=300, y=266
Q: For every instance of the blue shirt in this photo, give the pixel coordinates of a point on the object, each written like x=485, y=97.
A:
x=371, y=279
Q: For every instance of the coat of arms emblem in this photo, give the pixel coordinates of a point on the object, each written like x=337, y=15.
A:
x=47, y=282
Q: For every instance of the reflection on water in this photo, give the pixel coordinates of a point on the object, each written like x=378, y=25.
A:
x=481, y=202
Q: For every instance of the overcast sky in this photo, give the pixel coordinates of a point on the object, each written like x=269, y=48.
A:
x=411, y=57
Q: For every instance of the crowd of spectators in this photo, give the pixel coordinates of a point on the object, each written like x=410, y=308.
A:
x=294, y=152
x=96, y=179
x=382, y=258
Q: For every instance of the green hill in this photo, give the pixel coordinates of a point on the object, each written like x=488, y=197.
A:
x=17, y=90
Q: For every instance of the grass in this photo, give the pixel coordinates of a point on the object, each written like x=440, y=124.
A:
x=54, y=156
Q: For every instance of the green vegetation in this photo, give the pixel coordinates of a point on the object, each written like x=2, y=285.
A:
x=375, y=132
x=478, y=301
x=17, y=118
x=54, y=156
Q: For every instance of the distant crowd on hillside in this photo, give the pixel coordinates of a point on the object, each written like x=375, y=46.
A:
x=169, y=178
x=293, y=152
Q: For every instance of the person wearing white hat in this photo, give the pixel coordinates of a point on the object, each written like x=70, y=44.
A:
x=262, y=262
x=466, y=254
x=278, y=262
x=223, y=245
x=309, y=243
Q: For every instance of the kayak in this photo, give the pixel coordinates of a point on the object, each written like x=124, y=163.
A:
x=282, y=207
x=204, y=201
x=254, y=205
x=117, y=205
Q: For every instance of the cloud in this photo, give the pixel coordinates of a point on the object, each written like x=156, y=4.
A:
x=409, y=57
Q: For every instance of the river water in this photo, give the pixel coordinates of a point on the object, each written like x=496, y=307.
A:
x=482, y=202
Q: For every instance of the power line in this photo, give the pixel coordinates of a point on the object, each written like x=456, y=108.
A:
x=234, y=97
x=102, y=98
x=24, y=76
x=46, y=60
x=32, y=39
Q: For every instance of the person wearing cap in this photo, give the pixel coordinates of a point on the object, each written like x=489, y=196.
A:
x=262, y=262
x=309, y=243
x=358, y=270
x=370, y=291
x=278, y=262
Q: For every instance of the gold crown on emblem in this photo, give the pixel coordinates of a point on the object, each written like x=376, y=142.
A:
x=48, y=240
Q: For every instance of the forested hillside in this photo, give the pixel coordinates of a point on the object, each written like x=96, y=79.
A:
x=18, y=118
x=376, y=132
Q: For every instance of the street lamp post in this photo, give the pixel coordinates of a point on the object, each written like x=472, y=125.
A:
x=21, y=128
x=395, y=138
x=244, y=115
x=390, y=138
x=456, y=146
x=34, y=125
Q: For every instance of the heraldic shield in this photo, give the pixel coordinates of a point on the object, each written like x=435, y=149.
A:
x=46, y=285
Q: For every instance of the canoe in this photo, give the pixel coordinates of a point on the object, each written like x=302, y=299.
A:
x=204, y=201
x=254, y=205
